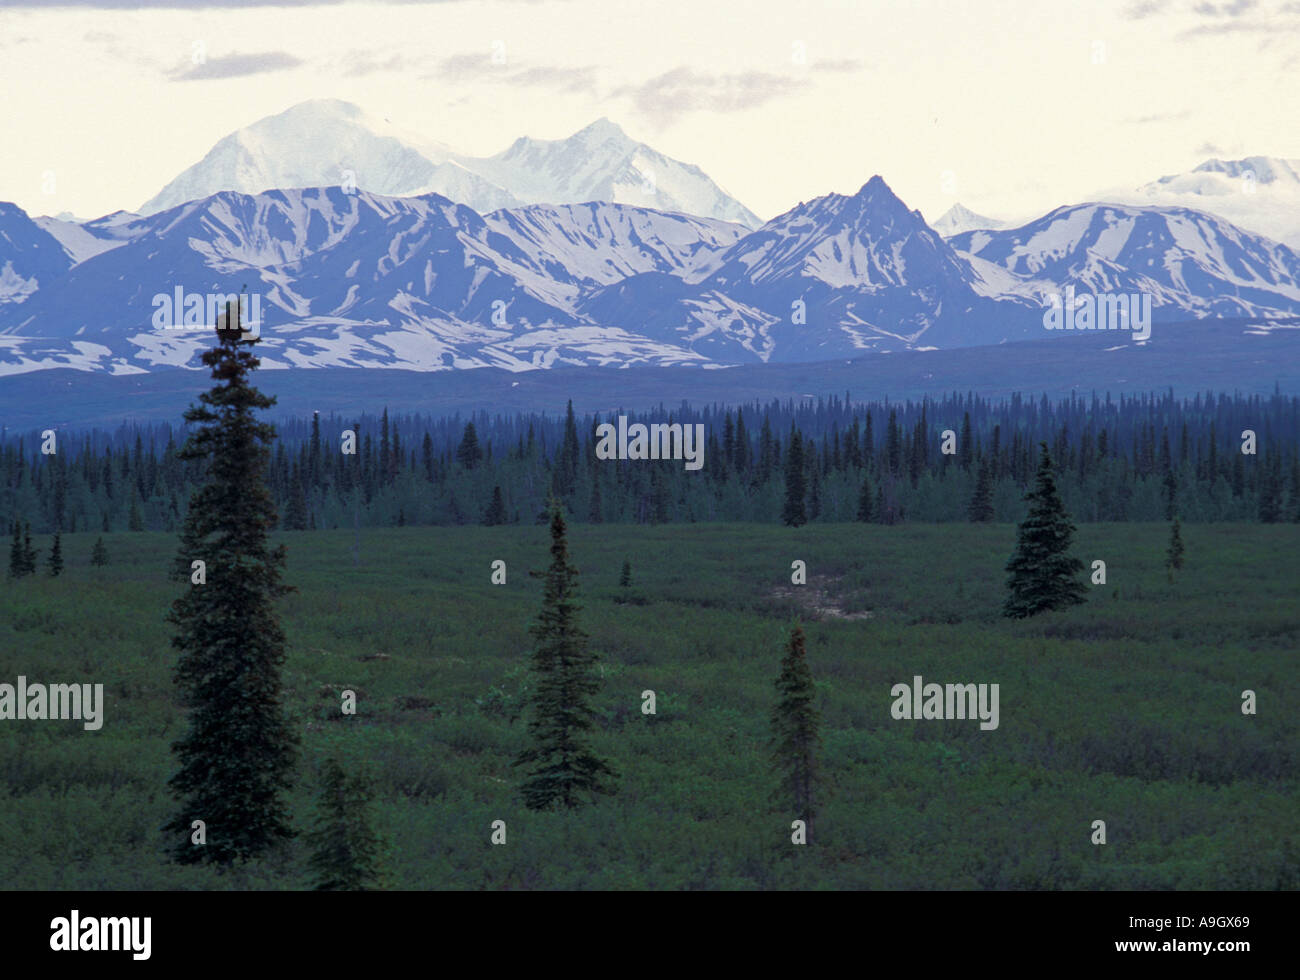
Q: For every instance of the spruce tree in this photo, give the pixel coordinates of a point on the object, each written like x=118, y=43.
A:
x=565, y=474
x=980, y=510
x=496, y=510
x=237, y=757
x=1042, y=571
x=469, y=453
x=135, y=522
x=563, y=769
x=29, y=553
x=1171, y=494
x=1174, y=556
x=17, y=567
x=295, y=513
x=625, y=579
x=1270, y=489
x=866, y=500
x=99, y=554
x=795, y=736
x=56, y=556
x=793, y=513
x=345, y=849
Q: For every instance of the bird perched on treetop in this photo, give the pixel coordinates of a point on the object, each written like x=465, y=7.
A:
x=228, y=324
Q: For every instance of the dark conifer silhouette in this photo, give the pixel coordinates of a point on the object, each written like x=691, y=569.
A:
x=496, y=510
x=345, y=849
x=29, y=553
x=56, y=556
x=866, y=501
x=469, y=454
x=980, y=510
x=793, y=513
x=795, y=733
x=1174, y=556
x=563, y=769
x=17, y=557
x=1042, y=571
x=237, y=757
x=99, y=554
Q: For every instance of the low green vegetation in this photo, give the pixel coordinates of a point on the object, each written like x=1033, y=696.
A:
x=1126, y=708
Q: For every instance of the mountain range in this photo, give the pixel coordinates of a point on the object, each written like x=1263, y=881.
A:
x=349, y=276
x=326, y=141
x=365, y=280
x=1259, y=193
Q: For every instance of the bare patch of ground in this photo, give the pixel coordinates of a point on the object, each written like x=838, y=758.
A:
x=818, y=599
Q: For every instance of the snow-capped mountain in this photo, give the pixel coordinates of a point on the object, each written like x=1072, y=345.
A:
x=313, y=144
x=326, y=142
x=599, y=244
x=958, y=219
x=836, y=276
x=1258, y=193
x=357, y=279
x=85, y=239
x=363, y=280
x=602, y=163
x=1193, y=264
x=30, y=257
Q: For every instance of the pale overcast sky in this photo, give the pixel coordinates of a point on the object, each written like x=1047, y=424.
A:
x=1010, y=106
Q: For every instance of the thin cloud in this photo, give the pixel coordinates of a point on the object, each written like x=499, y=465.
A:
x=1234, y=9
x=460, y=66
x=236, y=66
x=563, y=79
x=1157, y=117
x=1143, y=9
x=1242, y=17
x=358, y=63
x=684, y=90
x=480, y=67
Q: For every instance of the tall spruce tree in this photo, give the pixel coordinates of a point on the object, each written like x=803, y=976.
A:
x=469, y=454
x=565, y=474
x=99, y=554
x=980, y=510
x=345, y=849
x=16, y=552
x=793, y=513
x=56, y=556
x=563, y=768
x=295, y=514
x=29, y=553
x=1174, y=556
x=1041, y=570
x=134, y=521
x=496, y=509
x=866, y=501
x=795, y=733
x=237, y=757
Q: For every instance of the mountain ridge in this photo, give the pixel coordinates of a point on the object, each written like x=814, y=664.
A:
x=323, y=142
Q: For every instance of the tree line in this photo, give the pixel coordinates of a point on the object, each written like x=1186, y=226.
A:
x=1117, y=460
